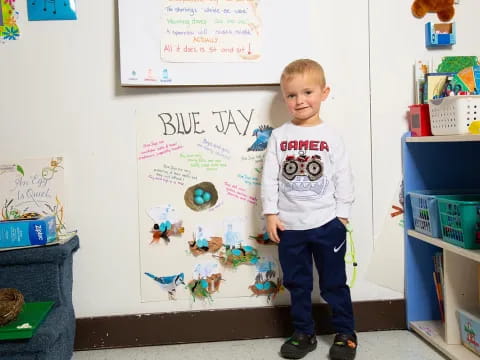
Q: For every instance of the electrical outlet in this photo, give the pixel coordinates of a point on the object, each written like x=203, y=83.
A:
x=457, y=2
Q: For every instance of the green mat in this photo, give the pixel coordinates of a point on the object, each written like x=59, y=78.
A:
x=27, y=322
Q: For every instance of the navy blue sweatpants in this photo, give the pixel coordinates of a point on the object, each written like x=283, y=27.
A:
x=327, y=245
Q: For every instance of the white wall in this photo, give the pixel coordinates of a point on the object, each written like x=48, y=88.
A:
x=397, y=39
x=64, y=98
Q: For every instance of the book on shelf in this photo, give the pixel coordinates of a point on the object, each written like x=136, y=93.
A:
x=438, y=290
x=27, y=232
x=438, y=281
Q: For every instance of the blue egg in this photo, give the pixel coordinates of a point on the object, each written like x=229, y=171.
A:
x=206, y=196
x=236, y=252
x=198, y=192
x=198, y=200
x=204, y=283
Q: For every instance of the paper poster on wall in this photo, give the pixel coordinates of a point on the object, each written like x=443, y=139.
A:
x=202, y=164
x=33, y=186
x=214, y=42
x=206, y=31
x=51, y=10
x=389, y=252
x=8, y=21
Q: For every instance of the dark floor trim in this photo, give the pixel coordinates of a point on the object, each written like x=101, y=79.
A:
x=219, y=325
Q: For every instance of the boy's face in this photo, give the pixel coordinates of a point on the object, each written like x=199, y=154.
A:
x=303, y=94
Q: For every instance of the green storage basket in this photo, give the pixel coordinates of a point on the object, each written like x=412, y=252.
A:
x=460, y=219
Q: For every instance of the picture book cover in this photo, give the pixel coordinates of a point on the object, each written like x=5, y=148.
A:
x=33, y=188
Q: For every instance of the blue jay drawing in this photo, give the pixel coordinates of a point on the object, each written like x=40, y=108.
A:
x=169, y=283
x=262, y=134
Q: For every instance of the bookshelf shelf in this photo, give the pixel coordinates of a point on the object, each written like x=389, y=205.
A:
x=433, y=332
x=432, y=163
x=443, y=138
x=469, y=254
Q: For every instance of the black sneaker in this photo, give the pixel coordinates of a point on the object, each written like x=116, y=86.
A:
x=298, y=345
x=344, y=347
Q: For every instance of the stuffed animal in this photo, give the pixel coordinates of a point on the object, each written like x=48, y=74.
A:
x=444, y=8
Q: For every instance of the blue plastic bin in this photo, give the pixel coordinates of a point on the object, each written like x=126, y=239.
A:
x=425, y=213
x=469, y=329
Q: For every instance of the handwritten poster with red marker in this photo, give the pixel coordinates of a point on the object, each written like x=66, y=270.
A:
x=211, y=31
x=199, y=174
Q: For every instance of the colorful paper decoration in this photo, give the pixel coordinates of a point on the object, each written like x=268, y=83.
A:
x=239, y=255
x=51, y=10
x=201, y=196
x=169, y=283
x=267, y=282
x=165, y=224
x=204, y=288
x=263, y=239
x=206, y=281
x=262, y=134
x=8, y=21
x=200, y=246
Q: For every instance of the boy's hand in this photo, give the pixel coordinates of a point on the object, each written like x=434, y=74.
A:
x=274, y=223
x=343, y=220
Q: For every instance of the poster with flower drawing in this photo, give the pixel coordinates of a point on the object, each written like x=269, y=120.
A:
x=8, y=21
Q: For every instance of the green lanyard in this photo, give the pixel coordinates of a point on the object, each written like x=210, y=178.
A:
x=350, y=256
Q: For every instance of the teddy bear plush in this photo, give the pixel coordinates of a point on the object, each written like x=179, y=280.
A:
x=444, y=8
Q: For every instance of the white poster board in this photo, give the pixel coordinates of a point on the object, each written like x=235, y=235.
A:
x=212, y=42
x=217, y=151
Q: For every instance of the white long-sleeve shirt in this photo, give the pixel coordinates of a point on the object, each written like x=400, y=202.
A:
x=307, y=179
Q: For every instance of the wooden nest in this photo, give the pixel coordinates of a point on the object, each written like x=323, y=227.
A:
x=205, y=186
x=11, y=303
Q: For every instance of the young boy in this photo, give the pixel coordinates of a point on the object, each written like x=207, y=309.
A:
x=307, y=193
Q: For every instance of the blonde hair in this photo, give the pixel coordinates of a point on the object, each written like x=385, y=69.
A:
x=303, y=66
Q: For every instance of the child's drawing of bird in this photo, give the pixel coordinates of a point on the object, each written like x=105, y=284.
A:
x=165, y=224
x=262, y=134
x=169, y=283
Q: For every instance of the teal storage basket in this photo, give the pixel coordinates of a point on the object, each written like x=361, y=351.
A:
x=460, y=219
x=425, y=213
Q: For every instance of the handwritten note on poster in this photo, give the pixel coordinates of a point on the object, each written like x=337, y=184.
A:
x=210, y=31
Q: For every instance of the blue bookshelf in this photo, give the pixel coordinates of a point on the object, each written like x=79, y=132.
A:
x=439, y=163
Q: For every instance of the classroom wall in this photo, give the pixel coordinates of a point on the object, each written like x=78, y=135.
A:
x=396, y=41
x=64, y=98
